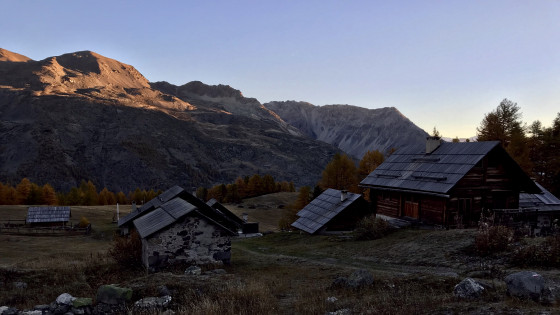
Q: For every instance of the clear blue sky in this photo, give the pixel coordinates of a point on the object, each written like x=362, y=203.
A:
x=441, y=63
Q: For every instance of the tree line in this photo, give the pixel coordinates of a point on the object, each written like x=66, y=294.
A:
x=245, y=187
x=534, y=147
x=86, y=194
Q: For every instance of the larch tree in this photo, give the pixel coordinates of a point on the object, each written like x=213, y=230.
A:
x=340, y=174
x=369, y=162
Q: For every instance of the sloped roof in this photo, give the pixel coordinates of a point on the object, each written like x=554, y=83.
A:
x=170, y=206
x=411, y=169
x=322, y=209
x=162, y=216
x=152, y=204
x=214, y=204
x=48, y=214
x=544, y=201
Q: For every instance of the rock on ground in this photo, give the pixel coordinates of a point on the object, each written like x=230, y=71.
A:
x=525, y=284
x=468, y=289
x=113, y=295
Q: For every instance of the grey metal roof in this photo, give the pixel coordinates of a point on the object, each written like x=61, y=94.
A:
x=410, y=168
x=222, y=210
x=162, y=216
x=544, y=201
x=152, y=204
x=322, y=209
x=48, y=214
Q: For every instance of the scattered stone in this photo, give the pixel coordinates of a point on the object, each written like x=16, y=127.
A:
x=153, y=302
x=525, y=284
x=344, y=311
x=34, y=312
x=468, y=289
x=113, y=295
x=65, y=299
x=332, y=299
x=168, y=312
x=360, y=278
x=193, y=270
x=5, y=310
x=41, y=307
x=20, y=285
x=82, y=302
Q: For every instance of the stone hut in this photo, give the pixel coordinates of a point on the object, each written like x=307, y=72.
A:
x=178, y=228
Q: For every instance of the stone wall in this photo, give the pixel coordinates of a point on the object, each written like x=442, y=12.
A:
x=191, y=240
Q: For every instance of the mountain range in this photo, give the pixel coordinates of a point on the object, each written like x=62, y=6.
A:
x=85, y=116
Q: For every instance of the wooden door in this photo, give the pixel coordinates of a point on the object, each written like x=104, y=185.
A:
x=411, y=209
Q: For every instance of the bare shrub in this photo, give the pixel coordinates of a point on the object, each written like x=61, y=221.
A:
x=84, y=222
x=127, y=251
x=493, y=239
x=543, y=254
x=371, y=228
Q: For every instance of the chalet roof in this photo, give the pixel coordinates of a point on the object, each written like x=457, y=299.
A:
x=48, y=214
x=411, y=169
x=214, y=204
x=322, y=209
x=544, y=201
x=170, y=206
x=151, y=205
x=162, y=216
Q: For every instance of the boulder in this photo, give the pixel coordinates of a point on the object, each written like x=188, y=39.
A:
x=113, y=295
x=468, y=289
x=525, y=284
x=65, y=299
x=5, y=310
x=193, y=270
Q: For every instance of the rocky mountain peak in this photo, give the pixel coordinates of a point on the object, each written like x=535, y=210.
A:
x=353, y=129
x=6, y=55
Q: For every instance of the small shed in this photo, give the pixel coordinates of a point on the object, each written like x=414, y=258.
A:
x=332, y=211
x=48, y=216
x=178, y=228
x=539, y=210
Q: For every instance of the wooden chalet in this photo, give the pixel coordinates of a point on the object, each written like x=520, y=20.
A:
x=48, y=216
x=447, y=183
x=332, y=211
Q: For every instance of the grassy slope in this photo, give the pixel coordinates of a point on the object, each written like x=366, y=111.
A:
x=264, y=209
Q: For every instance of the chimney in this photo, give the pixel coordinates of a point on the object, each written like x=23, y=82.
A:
x=134, y=206
x=343, y=195
x=245, y=217
x=432, y=143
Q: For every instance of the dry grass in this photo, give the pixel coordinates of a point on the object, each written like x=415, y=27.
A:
x=264, y=209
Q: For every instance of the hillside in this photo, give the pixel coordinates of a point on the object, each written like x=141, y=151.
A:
x=84, y=116
x=355, y=130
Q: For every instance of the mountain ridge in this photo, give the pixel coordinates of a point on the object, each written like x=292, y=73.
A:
x=353, y=129
x=85, y=116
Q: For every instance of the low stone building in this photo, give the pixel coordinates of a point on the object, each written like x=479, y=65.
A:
x=178, y=228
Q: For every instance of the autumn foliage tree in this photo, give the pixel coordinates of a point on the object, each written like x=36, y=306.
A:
x=340, y=174
x=289, y=215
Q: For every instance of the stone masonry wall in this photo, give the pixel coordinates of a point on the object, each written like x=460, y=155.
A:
x=191, y=240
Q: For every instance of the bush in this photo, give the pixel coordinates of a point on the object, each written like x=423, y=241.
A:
x=127, y=251
x=84, y=222
x=543, y=254
x=493, y=239
x=371, y=228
